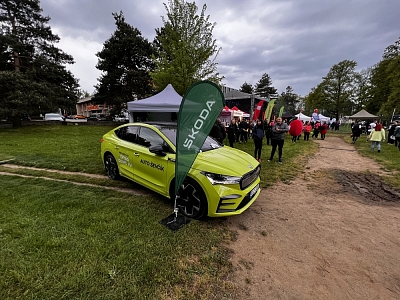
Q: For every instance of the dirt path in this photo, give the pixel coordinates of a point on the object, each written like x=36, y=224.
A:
x=333, y=233
x=138, y=191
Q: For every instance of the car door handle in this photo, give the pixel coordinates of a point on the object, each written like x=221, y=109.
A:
x=116, y=147
x=136, y=154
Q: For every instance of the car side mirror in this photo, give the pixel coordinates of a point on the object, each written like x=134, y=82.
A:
x=158, y=150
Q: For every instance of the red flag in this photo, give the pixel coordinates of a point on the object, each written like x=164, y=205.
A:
x=257, y=110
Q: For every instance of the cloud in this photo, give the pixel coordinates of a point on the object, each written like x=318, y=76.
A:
x=295, y=42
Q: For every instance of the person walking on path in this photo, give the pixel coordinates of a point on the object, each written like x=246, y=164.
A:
x=337, y=125
x=397, y=135
x=356, y=131
x=391, y=130
x=258, y=136
x=278, y=138
x=307, y=129
x=377, y=136
x=323, y=130
x=317, y=126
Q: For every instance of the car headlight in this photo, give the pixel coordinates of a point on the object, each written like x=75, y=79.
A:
x=221, y=179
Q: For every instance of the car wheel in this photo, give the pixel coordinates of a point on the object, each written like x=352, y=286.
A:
x=111, y=167
x=191, y=200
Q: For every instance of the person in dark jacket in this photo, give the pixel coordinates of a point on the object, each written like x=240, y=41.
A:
x=323, y=130
x=268, y=130
x=356, y=131
x=316, y=129
x=258, y=136
x=223, y=130
x=217, y=132
x=232, y=132
x=391, y=130
x=243, y=128
x=397, y=135
x=278, y=138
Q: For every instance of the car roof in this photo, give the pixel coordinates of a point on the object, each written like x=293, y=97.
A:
x=157, y=124
x=160, y=123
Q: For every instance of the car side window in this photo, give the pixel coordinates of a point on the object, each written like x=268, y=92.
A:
x=148, y=137
x=128, y=133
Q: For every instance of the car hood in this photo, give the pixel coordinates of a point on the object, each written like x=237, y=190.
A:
x=226, y=161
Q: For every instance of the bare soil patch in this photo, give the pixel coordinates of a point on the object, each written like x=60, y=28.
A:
x=332, y=233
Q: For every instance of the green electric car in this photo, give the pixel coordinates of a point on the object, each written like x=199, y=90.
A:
x=222, y=181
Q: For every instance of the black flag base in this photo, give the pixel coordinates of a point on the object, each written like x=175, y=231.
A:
x=175, y=221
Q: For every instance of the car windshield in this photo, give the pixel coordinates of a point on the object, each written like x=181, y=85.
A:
x=170, y=133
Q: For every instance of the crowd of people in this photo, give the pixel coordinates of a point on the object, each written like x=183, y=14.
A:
x=376, y=133
x=241, y=131
x=275, y=131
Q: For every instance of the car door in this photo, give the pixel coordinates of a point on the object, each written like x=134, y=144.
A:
x=128, y=137
x=150, y=169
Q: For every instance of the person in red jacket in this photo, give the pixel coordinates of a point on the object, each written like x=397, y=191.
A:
x=323, y=130
x=317, y=129
x=307, y=129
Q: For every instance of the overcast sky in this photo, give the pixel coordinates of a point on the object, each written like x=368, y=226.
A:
x=296, y=42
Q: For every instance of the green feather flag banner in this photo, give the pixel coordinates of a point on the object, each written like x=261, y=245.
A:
x=200, y=107
x=281, y=111
x=268, y=110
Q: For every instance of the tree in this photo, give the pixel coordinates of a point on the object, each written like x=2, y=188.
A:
x=338, y=88
x=362, y=87
x=314, y=99
x=385, y=83
x=83, y=94
x=186, y=48
x=27, y=47
x=125, y=62
x=392, y=51
x=246, y=88
x=289, y=100
x=263, y=86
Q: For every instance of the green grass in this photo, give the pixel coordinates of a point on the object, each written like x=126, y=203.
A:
x=71, y=148
x=123, y=183
x=63, y=241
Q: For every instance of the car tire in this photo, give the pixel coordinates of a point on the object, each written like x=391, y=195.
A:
x=111, y=166
x=192, y=201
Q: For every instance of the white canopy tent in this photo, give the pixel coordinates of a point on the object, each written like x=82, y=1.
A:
x=302, y=117
x=322, y=118
x=363, y=115
x=164, y=107
x=160, y=106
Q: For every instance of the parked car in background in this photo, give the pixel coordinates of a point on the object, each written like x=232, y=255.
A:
x=79, y=117
x=97, y=117
x=121, y=119
x=53, y=117
x=222, y=181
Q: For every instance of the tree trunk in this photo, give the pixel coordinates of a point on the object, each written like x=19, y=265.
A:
x=17, y=122
x=16, y=61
